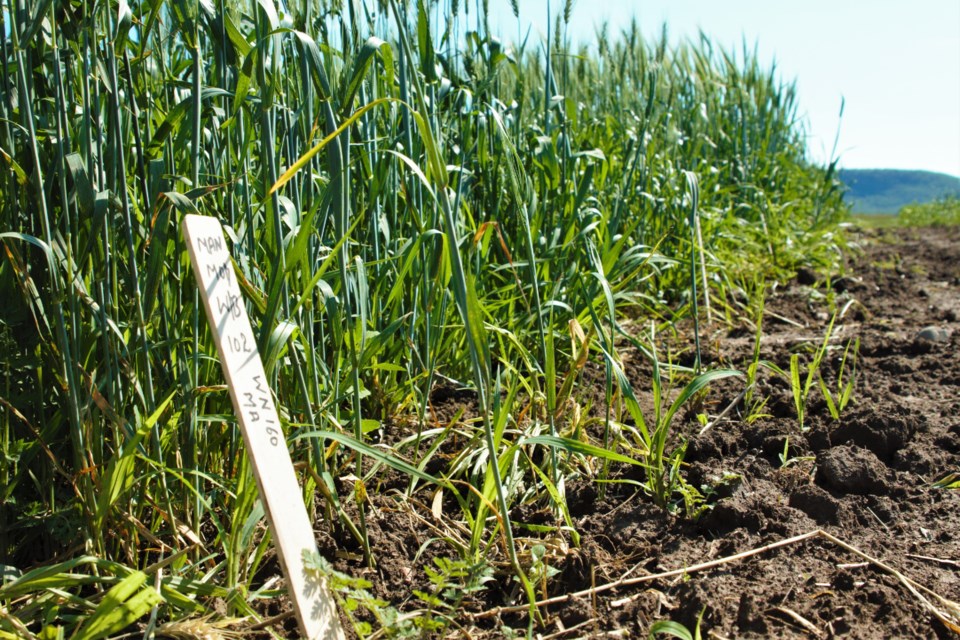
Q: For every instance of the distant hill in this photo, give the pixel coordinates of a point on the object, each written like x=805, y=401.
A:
x=887, y=190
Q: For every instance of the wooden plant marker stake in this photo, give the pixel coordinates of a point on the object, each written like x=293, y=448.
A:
x=282, y=497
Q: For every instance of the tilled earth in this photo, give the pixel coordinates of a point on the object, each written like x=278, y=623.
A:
x=891, y=547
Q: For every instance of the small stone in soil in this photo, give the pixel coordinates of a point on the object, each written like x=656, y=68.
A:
x=933, y=334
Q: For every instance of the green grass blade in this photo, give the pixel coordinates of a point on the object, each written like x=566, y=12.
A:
x=123, y=605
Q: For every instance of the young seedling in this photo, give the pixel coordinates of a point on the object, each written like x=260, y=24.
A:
x=676, y=630
x=785, y=458
x=753, y=404
x=836, y=403
x=663, y=464
x=949, y=481
x=801, y=387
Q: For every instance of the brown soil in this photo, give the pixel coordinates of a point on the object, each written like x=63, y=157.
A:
x=865, y=479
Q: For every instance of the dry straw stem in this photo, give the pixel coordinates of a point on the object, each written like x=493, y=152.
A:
x=949, y=563
x=17, y=625
x=200, y=629
x=800, y=620
x=948, y=611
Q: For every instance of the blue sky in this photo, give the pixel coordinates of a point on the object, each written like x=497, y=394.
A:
x=896, y=63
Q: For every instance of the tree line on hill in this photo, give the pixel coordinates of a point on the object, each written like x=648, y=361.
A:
x=889, y=190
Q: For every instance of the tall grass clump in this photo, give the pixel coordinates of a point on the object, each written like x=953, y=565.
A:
x=411, y=204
